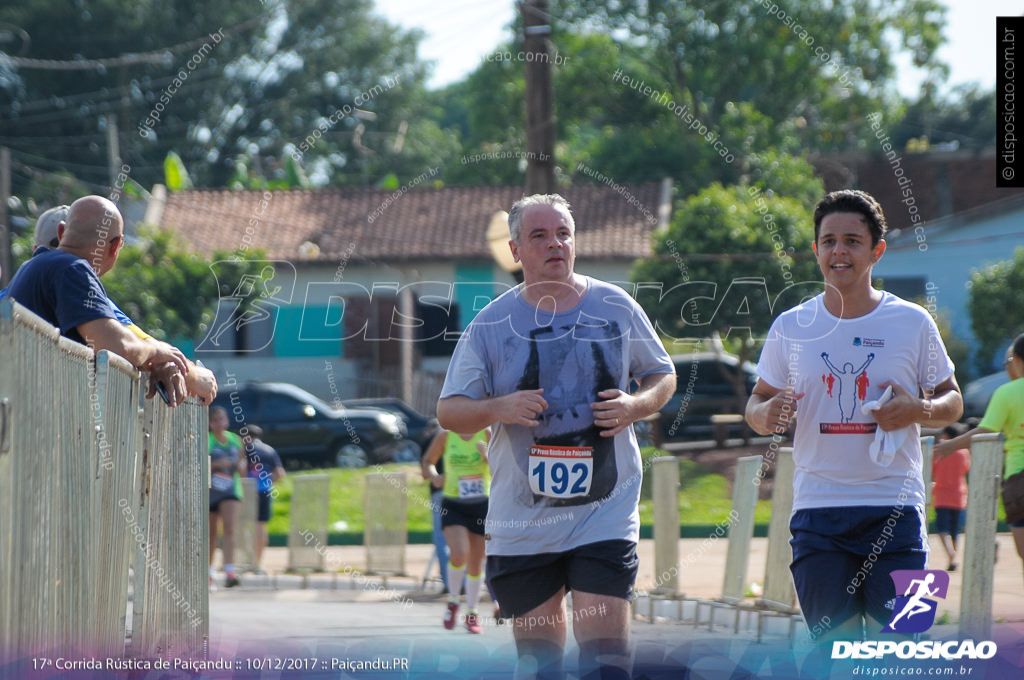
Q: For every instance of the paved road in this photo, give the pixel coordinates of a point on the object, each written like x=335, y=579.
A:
x=323, y=622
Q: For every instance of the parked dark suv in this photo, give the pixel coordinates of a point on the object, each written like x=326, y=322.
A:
x=309, y=432
x=418, y=425
x=702, y=390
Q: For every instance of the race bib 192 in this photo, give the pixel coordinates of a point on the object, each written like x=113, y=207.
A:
x=561, y=471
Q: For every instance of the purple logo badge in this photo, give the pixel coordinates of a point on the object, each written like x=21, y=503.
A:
x=914, y=612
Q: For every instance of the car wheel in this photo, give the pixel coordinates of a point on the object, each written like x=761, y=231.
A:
x=407, y=452
x=351, y=455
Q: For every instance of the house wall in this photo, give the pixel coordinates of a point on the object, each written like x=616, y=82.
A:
x=954, y=250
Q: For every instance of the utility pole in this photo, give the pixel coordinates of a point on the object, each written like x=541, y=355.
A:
x=540, y=115
x=5, y=227
x=113, y=149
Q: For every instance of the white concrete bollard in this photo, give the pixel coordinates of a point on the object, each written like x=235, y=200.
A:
x=979, y=535
x=741, y=531
x=665, y=477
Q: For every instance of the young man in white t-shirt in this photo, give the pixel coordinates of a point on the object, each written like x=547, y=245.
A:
x=858, y=508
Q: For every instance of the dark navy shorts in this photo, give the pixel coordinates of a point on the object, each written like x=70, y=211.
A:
x=842, y=558
x=469, y=514
x=521, y=583
x=949, y=521
x=263, y=506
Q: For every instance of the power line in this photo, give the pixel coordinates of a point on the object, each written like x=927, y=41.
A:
x=109, y=104
x=107, y=93
x=155, y=57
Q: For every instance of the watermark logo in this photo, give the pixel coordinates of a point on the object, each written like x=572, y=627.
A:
x=914, y=611
x=250, y=294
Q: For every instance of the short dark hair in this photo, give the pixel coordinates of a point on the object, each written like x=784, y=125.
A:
x=1018, y=346
x=852, y=201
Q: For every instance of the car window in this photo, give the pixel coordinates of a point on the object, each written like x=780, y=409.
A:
x=707, y=376
x=714, y=375
x=284, y=407
x=241, y=406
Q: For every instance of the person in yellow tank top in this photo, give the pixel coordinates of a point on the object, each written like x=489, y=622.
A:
x=466, y=484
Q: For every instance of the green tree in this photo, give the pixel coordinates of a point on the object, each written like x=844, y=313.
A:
x=275, y=74
x=168, y=291
x=994, y=305
x=825, y=64
x=52, y=118
x=749, y=80
x=966, y=118
x=734, y=257
x=332, y=83
x=599, y=123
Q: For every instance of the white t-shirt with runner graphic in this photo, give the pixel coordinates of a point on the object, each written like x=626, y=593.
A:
x=559, y=485
x=839, y=364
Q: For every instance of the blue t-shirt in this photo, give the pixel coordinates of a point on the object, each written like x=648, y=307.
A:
x=118, y=314
x=262, y=462
x=561, y=484
x=63, y=289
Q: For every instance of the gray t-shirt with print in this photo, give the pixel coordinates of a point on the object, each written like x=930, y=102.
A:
x=559, y=485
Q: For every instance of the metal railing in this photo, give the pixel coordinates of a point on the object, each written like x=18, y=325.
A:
x=93, y=480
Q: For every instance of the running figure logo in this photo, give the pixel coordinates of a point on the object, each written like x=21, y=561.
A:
x=844, y=376
x=256, y=289
x=914, y=612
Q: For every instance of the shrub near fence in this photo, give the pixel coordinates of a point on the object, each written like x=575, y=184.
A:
x=86, y=489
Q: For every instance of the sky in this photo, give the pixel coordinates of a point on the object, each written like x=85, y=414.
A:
x=462, y=32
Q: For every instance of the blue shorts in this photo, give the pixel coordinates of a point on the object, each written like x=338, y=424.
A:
x=842, y=558
x=1018, y=524
x=949, y=521
x=521, y=583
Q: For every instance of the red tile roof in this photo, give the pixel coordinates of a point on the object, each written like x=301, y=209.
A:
x=422, y=224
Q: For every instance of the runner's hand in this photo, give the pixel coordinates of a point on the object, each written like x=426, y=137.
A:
x=615, y=412
x=780, y=410
x=522, y=407
x=903, y=410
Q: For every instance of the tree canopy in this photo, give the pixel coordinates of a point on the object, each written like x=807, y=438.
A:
x=220, y=83
x=166, y=290
x=733, y=254
x=828, y=64
x=994, y=305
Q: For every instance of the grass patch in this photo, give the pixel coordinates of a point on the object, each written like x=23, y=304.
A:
x=704, y=498
x=348, y=491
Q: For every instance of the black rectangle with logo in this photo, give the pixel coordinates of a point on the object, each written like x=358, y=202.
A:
x=1009, y=134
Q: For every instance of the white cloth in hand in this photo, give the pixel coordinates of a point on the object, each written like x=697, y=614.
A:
x=883, y=448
